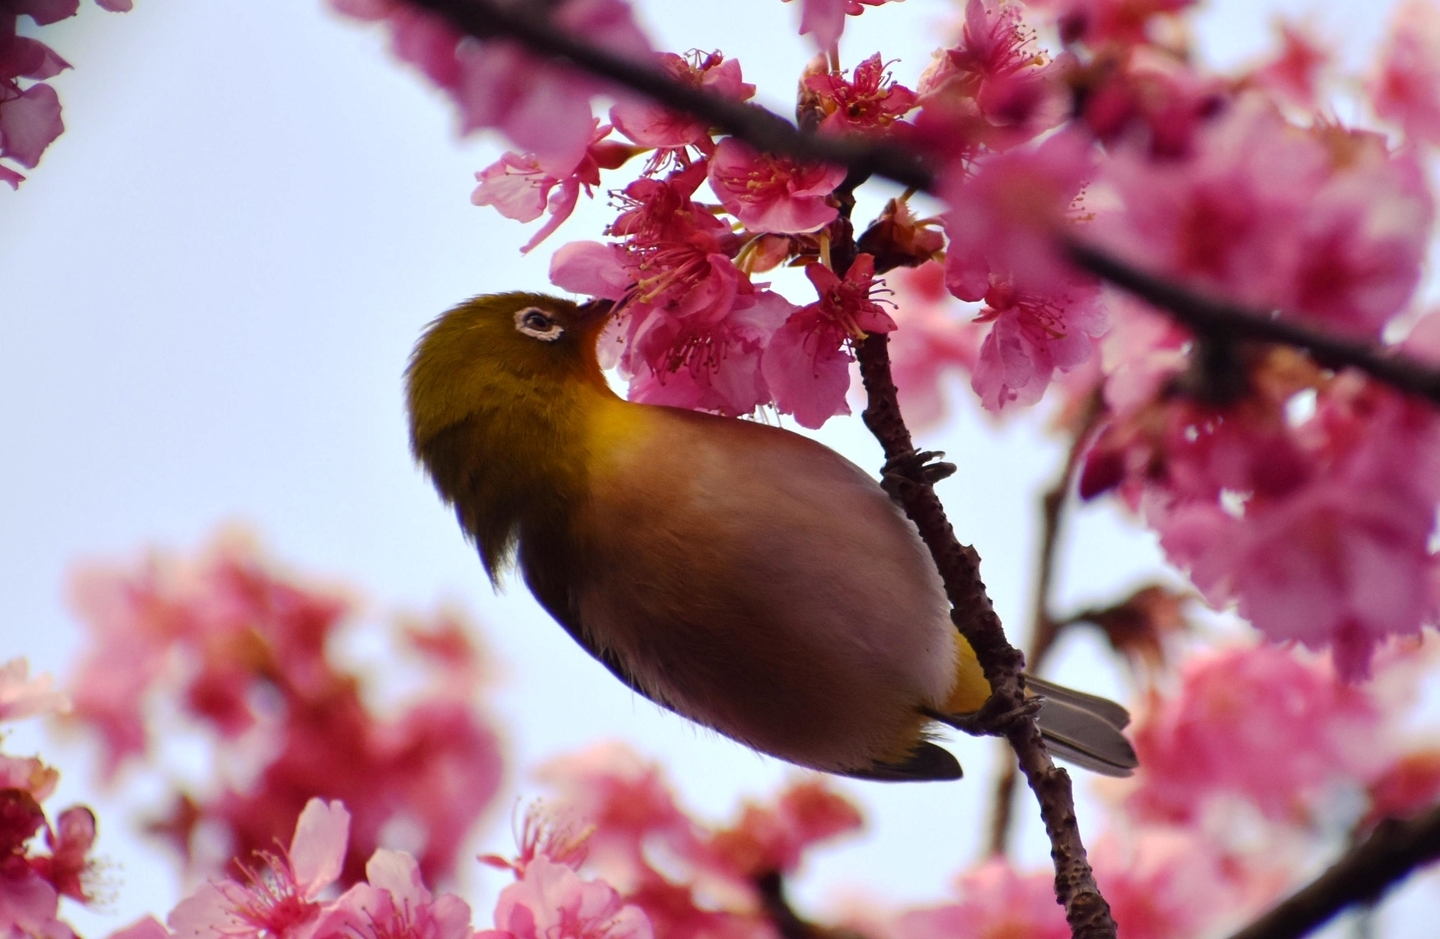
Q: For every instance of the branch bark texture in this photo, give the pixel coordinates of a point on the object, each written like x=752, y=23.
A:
x=525, y=23
x=1220, y=319
x=1388, y=855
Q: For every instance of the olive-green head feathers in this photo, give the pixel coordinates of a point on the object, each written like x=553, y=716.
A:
x=496, y=392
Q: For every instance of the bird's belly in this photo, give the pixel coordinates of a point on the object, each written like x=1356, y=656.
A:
x=825, y=666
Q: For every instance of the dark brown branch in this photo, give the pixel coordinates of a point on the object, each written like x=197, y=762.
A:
x=1393, y=850
x=1044, y=628
x=1085, y=909
x=788, y=923
x=524, y=23
x=1229, y=321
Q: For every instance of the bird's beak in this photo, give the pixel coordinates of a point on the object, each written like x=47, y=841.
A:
x=593, y=315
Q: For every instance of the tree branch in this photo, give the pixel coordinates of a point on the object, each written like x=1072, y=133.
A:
x=762, y=129
x=1393, y=850
x=1044, y=628
x=1085, y=909
x=1230, y=321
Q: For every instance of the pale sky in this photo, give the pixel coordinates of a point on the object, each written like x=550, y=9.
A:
x=210, y=287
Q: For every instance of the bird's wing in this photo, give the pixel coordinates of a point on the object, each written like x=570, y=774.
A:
x=756, y=582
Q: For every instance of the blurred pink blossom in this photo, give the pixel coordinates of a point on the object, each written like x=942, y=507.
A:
x=652, y=125
x=1257, y=722
x=22, y=696
x=771, y=839
x=1406, y=88
x=824, y=20
x=930, y=339
x=996, y=902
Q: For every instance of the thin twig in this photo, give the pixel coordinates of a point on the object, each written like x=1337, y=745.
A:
x=1232, y=321
x=1044, y=628
x=1085, y=909
x=1362, y=875
x=762, y=129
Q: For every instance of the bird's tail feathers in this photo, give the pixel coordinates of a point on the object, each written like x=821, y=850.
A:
x=1084, y=729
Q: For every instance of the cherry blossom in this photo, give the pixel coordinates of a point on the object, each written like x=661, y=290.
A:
x=868, y=102
x=993, y=89
x=1256, y=722
x=1030, y=338
x=244, y=649
x=930, y=339
x=1406, y=88
x=550, y=901
x=1166, y=882
x=520, y=187
x=394, y=904
x=280, y=899
x=1101, y=21
x=772, y=194
x=996, y=902
x=770, y=839
x=824, y=20
x=23, y=696
x=806, y=364
x=651, y=125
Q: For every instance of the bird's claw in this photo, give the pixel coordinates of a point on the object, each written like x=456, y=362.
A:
x=923, y=468
x=994, y=719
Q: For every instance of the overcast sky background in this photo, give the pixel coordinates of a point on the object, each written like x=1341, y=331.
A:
x=210, y=287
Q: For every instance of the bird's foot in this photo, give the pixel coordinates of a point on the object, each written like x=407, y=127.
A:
x=923, y=468
x=995, y=719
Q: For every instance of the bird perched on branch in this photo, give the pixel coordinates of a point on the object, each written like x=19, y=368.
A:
x=741, y=575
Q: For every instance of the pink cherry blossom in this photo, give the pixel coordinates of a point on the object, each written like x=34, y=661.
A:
x=652, y=125
x=1155, y=101
x=543, y=108
x=1100, y=21
x=1032, y=337
x=868, y=102
x=550, y=901
x=770, y=193
x=824, y=20
x=996, y=902
x=520, y=187
x=1406, y=88
x=930, y=339
x=717, y=368
x=1295, y=72
x=1257, y=722
x=1004, y=219
x=1327, y=223
x=280, y=900
x=394, y=904
x=23, y=696
x=147, y=927
x=592, y=268
x=993, y=89
x=806, y=364
x=772, y=839
x=1164, y=882
x=228, y=640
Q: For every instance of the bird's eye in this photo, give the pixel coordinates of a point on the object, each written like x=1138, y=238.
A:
x=535, y=322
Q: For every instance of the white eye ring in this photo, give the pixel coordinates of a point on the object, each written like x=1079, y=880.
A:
x=536, y=323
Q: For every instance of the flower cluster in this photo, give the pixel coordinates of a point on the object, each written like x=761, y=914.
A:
x=30, y=115
x=34, y=879
x=244, y=650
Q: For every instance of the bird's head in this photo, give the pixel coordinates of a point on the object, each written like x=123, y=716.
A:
x=520, y=352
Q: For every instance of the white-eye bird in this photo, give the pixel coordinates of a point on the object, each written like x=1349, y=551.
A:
x=741, y=575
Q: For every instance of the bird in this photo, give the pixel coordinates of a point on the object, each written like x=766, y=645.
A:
x=739, y=574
